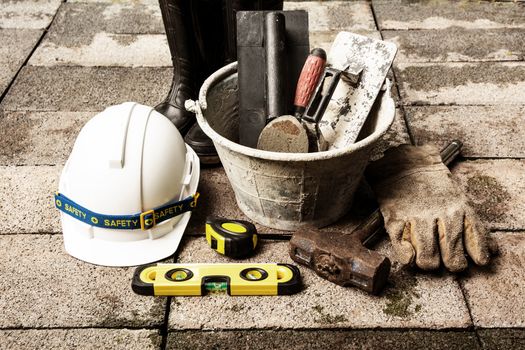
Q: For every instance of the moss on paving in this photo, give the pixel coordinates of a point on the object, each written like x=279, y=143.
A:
x=325, y=318
x=489, y=197
x=400, y=299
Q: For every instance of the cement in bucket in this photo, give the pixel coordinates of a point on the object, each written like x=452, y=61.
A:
x=285, y=190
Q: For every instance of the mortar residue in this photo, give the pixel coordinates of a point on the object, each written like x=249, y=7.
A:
x=287, y=127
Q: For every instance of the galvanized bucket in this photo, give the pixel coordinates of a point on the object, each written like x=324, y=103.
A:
x=285, y=190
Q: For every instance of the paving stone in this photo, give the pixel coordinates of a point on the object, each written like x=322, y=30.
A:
x=16, y=46
x=496, y=294
x=42, y=286
x=407, y=14
x=85, y=88
x=486, y=131
x=325, y=39
x=79, y=38
x=6, y=75
x=39, y=138
x=458, y=45
x=496, y=189
x=31, y=14
x=27, y=204
x=502, y=339
x=146, y=2
x=461, y=83
x=105, y=49
x=88, y=338
x=336, y=15
x=322, y=339
x=105, y=34
x=418, y=301
x=76, y=20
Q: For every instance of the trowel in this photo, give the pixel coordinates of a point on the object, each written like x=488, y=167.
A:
x=319, y=103
x=287, y=133
x=352, y=100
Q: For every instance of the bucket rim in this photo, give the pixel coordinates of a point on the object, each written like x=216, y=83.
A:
x=198, y=106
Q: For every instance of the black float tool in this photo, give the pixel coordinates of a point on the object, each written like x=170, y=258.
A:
x=268, y=66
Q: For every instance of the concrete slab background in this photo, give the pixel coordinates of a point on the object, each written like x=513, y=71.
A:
x=88, y=88
x=410, y=301
x=502, y=338
x=498, y=132
x=461, y=83
x=407, y=15
x=315, y=340
x=495, y=188
x=27, y=204
x=336, y=16
x=105, y=34
x=43, y=287
x=52, y=133
x=36, y=14
x=458, y=45
x=84, y=338
x=495, y=294
x=17, y=44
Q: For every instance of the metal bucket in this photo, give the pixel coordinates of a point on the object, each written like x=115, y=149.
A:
x=285, y=190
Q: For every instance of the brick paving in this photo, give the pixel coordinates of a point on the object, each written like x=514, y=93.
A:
x=459, y=73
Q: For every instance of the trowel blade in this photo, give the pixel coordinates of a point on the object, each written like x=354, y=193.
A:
x=284, y=134
x=350, y=105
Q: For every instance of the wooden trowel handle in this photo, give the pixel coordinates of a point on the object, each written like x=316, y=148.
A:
x=312, y=71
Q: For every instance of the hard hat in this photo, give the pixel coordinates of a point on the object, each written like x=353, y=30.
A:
x=127, y=190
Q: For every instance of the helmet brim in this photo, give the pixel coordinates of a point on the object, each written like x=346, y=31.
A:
x=131, y=253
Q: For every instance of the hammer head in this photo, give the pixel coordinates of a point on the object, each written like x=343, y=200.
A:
x=340, y=258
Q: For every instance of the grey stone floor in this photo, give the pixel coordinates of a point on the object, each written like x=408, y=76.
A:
x=459, y=73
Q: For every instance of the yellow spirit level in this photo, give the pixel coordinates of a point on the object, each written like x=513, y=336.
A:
x=233, y=238
x=200, y=279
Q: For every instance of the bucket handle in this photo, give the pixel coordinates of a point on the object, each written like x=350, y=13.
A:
x=219, y=75
x=192, y=106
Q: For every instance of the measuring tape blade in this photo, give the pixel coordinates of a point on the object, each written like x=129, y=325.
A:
x=201, y=279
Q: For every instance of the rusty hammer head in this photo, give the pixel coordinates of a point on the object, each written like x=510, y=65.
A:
x=340, y=258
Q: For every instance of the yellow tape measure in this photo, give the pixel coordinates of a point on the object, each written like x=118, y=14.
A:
x=200, y=279
x=233, y=238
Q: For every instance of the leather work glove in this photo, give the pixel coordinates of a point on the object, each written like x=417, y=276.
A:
x=426, y=213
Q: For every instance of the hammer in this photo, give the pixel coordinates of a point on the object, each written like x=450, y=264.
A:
x=344, y=259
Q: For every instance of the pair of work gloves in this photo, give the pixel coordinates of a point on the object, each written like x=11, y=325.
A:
x=426, y=214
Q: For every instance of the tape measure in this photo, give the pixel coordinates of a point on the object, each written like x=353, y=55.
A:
x=201, y=279
x=233, y=238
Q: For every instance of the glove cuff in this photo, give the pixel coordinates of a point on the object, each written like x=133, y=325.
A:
x=402, y=161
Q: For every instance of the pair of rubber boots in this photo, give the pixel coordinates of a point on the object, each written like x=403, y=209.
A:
x=202, y=38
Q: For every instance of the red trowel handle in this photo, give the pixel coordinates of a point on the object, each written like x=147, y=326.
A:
x=312, y=71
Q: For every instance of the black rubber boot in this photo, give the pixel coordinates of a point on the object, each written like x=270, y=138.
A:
x=217, y=46
x=214, y=22
x=201, y=37
x=176, y=15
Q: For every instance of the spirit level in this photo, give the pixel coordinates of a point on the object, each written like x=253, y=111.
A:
x=200, y=279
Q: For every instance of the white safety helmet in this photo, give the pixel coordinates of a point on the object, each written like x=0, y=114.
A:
x=128, y=188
